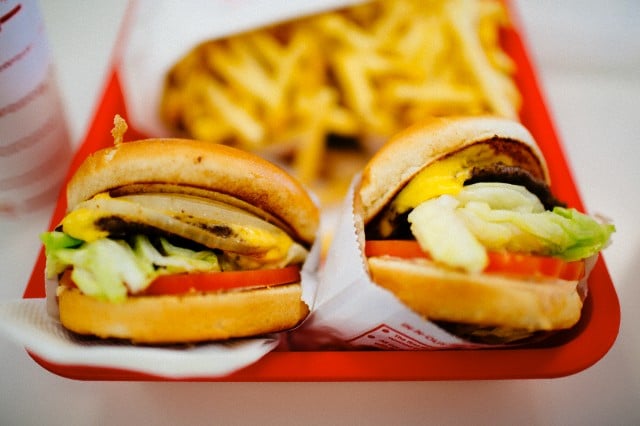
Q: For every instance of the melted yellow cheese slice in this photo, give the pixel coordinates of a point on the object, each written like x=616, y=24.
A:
x=443, y=177
x=446, y=176
x=81, y=223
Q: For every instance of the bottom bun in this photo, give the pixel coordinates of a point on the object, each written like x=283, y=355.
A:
x=184, y=318
x=481, y=300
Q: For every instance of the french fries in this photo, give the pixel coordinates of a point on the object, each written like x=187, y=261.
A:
x=358, y=75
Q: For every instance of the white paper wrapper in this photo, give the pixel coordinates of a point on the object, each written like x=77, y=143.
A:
x=160, y=32
x=28, y=324
x=350, y=311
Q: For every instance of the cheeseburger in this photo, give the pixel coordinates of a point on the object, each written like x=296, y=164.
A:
x=460, y=224
x=174, y=241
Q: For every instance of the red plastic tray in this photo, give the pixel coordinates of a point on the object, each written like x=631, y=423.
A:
x=567, y=353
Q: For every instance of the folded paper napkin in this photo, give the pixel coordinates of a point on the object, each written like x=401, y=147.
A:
x=28, y=324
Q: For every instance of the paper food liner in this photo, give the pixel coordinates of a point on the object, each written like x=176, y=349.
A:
x=34, y=324
x=28, y=323
x=160, y=32
x=351, y=312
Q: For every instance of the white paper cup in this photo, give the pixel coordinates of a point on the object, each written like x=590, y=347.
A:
x=34, y=139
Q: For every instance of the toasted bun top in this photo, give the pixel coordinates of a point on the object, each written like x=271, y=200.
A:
x=203, y=165
x=408, y=152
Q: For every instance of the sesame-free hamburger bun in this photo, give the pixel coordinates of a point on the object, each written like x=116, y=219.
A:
x=173, y=241
x=460, y=224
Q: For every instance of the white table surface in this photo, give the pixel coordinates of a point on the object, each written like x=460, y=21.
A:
x=588, y=57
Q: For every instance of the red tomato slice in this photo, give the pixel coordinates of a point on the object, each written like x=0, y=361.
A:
x=499, y=262
x=214, y=281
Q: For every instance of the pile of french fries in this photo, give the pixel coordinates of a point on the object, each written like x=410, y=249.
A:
x=343, y=81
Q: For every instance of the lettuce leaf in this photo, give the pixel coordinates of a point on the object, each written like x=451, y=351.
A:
x=501, y=216
x=110, y=269
x=445, y=235
x=586, y=236
x=53, y=242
